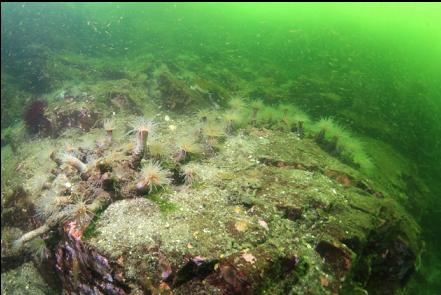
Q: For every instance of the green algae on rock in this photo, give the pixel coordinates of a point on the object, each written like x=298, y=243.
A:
x=241, y=187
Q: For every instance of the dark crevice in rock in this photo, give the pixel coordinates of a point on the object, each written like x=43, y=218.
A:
x=285, y=164
x=12, y=262
x=385, y=262
x=336, y=256
x=196, y=268
x=290, y=212
x=352, y=243
x=178, y=177
x=231, y=280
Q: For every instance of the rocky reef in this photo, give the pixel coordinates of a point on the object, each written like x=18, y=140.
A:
x=253, y=199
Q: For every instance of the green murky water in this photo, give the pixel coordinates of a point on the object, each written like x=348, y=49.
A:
x=373, y=68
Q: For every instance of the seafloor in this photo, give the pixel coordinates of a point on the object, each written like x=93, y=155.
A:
x=247, y=204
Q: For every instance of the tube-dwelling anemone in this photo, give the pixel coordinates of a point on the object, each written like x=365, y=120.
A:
x=331, y=127
x=232, y=120
x=38, y=183
x=354, y=150
x=158, y=149
x=236, y=103
x=142, y=128
x=190, y=174
x=152, y=177
x=45, y=205
x=70, y=160
x=287, y=109
x=268, y=116
x=331, y=134
x=49, y=205
x=213, y=130
x=204, y=114
x=256, y=106
x=109, y=125
x=287, y=123
x=79, y=211
x=186, y=148
x=212, y=145
x=327, y=129
x=38, y=249
x=363, y=161
x=301, y=119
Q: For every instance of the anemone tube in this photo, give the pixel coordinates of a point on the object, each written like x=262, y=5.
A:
x=320, y=137
x=109, y=133
x=300, y=129
x=254, y=117
x=102, y=200
x=70, y=160
x=181, y=155
x=138, y=152
x=230, y=127
x=75, y=162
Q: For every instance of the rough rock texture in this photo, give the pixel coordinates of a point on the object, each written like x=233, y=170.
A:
x=268, y=213
x=263, y=217
x=24, y=280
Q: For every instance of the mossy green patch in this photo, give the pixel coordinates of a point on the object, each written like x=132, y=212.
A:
x=164, y=205
x=91, y=231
